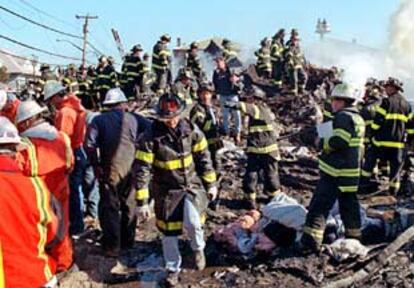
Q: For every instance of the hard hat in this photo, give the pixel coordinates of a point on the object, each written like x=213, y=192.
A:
x=52, y=87
x=194, y=45
x=8, y=132
x=3, y=98
x=136, y=48
x=345, y=91
x=255, y=92
x=395, y=83
x=294, y=32
x=206, y=86
x=28, y=109
x=165, y=37
x=72, y=66
x=146, y=56
x=170, y=106
x=114, y=96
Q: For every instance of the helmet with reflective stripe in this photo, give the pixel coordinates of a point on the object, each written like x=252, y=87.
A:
x=114, y=96
x=170, y=106
x=52, y=88
x=28, y=109
x=8, y=132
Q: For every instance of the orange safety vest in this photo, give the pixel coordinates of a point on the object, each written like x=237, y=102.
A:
x=28, y=224
x=52, y=161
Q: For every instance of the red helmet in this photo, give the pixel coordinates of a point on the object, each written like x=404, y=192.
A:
x=170, y=106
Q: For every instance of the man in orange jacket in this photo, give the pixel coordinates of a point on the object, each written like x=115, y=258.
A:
x=70, y=118
x=29, y=228
x=9, y=109
x=49, y=156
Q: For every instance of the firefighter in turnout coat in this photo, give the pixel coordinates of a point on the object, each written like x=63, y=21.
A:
x=340, y=168
x=173, y=154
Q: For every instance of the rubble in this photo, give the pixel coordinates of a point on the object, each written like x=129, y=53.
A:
x=282, y=267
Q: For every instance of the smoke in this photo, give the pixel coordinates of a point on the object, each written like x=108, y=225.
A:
x=360, y=62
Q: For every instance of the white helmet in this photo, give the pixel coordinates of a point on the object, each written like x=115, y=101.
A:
x=345, y=91
x=114, y=96
x=52, y=87
x=8, y=132
x=3, y=98
x=27, y=110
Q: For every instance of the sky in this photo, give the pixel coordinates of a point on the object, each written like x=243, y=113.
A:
x=143, y=21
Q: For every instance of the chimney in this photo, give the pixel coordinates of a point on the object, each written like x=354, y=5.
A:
x=178, y=42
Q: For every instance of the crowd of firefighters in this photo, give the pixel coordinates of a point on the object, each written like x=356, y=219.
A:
x=76, y=155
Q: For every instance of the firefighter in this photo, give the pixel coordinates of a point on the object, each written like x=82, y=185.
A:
x=110, y=145
x=50, y=157
x=161, y=64
x=262, y=149
x=70, y=80
x=276, y=57
x=393, y=122
x=295, y=68
x=339, y=165
x=205, y=116
x=106, y=78
x=263, y=63
x=294, y=34
x=45, y=75
x=229, y=53
x=194, y=64
x=173, y=153
x=372, y=99
x=147, y=78
x=9, y=109
x=185, y=86
x=70, y=117
x=132, y=72
x=29, y=229
x=85, y=93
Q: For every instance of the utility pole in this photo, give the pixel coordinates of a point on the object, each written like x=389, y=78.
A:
x=85, y=34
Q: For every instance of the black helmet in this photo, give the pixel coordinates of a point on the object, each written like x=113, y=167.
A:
x=194, y=45
x=166, y=38
x=394, y=82
x=136, y=48
x=170, y=106
x=185, y=73
x=44, y=66
x=206, y=86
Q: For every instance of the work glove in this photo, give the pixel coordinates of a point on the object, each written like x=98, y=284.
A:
x=142, y=212
x=231, y=105
x=212, y=193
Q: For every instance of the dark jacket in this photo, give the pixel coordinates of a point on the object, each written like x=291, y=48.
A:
x=132, y=70
x=222, y=83
x=193, y=63
x=161, y=57
x=342, y=152
x=179, y=165
x=393, y=120
x=202, y=116
x=262, y=136
x=106, y=78
x=114, y=134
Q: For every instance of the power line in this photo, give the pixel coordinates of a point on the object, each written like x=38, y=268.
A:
x=39, y=24
x=38, y=49
x=26, y=3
